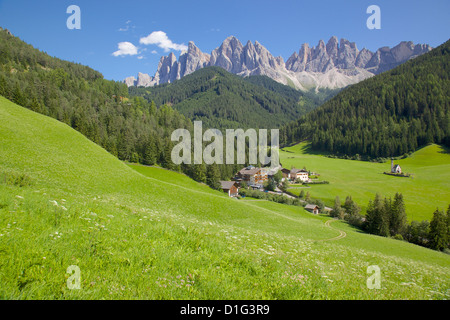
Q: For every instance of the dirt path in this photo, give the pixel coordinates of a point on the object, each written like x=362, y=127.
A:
x=342, y=234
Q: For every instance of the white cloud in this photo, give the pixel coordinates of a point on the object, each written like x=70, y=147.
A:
x=154, y=52
x=161, y=39
x=126, y=48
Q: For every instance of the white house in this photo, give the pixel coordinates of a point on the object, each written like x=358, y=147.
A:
x=301, y=174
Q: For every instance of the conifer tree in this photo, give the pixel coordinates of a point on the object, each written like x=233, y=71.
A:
x=213, y=176
x=438, y=231
x=386, y=213
x=150, y=152
x=302, y=194
x=374, y=216
x=199, y=172
x=337, y=209
x=307, y=197
x=398, y=216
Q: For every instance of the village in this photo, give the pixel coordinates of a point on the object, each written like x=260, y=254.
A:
x=260, y=178
x=279, y=178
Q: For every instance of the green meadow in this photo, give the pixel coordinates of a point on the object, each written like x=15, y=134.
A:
x=139, y=232
x=428, y=187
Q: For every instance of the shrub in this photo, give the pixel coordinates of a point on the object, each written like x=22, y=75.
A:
x=398, y=236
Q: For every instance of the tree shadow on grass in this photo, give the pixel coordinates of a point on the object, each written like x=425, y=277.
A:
x=444, y=149
x=306, y=148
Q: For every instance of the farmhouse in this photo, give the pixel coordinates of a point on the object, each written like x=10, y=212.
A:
x=252, y=175
x=230, y=188
x=312, y=208
x=301, y=174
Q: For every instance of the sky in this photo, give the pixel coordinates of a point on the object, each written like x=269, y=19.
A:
x=122, y=38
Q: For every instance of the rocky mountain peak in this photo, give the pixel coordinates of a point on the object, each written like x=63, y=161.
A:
x=335, y=64
x=332, y=47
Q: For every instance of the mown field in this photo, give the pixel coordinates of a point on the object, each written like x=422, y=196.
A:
x=427, y=189
x=147, y=233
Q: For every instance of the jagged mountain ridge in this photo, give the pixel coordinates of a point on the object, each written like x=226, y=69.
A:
x=332, y=65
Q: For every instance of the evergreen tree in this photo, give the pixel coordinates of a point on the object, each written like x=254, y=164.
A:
x=418, y=233
x=213, y=176
x=134, y=157
x=385, y=217
x=167, y=155
x=374, y=216
x=199, y=172
x=438, y=231
x=307, y=197
x=348, y=203
x=302, y=194
x=351, y=207
x=18, y=97
x=150, y=152
x=337, y=211
x=398, y=216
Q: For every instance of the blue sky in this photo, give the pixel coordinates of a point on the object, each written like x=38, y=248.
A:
x=281, y=26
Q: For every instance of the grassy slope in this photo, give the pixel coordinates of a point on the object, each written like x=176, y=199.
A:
x=157, y=235
x=427, y=190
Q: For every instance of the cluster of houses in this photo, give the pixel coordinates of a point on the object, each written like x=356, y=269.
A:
x=255, y=178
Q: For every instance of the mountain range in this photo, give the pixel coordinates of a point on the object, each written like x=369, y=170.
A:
x=336, y=64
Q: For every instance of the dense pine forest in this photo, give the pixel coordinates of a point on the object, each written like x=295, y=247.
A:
x=132, y=129
x=223, y=100
x=389, y=115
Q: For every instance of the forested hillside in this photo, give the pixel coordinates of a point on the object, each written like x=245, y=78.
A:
x=388, y=115
x=223, y=100
x=130, y=128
